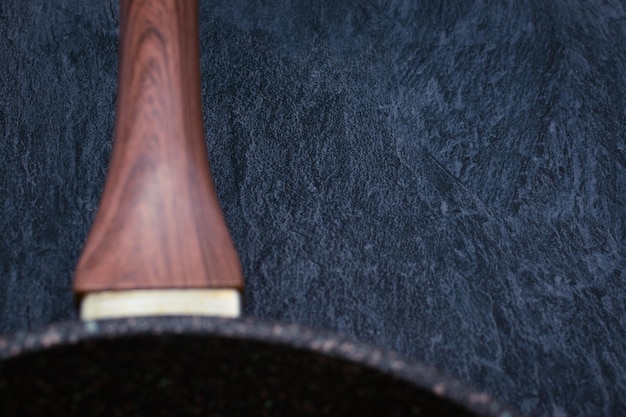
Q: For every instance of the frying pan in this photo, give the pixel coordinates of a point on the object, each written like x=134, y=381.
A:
x=159, y=280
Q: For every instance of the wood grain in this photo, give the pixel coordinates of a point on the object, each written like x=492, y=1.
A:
x=159, y=224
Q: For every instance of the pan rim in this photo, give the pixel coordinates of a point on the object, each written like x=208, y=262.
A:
x=289, y=335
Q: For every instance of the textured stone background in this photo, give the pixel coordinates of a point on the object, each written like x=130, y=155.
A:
x=443, y=178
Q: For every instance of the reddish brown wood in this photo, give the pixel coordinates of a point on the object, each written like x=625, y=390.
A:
x=159, y=224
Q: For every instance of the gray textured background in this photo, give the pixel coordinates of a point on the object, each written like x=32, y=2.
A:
x=443, y=178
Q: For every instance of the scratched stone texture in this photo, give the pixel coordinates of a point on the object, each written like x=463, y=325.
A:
x=446, y=179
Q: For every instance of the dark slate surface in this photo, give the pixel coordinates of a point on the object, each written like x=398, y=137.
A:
x=443, y=178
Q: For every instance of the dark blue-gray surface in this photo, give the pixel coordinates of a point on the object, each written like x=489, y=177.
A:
x=442, y=178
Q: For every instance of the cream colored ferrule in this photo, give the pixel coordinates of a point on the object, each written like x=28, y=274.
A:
x=138, y=303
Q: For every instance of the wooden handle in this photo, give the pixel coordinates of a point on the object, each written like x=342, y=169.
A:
x=159, y=224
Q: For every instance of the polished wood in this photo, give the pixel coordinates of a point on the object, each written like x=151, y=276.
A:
x=159, y=224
